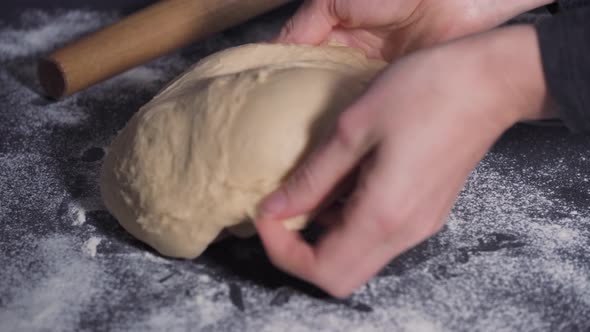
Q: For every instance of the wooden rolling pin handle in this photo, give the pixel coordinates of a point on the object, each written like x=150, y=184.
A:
x=139, y=38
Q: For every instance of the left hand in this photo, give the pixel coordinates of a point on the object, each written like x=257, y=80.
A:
x=420, y=129
x=388, y=29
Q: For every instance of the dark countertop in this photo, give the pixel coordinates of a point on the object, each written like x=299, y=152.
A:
x=515, y=255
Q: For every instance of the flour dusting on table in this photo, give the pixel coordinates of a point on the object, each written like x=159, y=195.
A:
x=514, y=256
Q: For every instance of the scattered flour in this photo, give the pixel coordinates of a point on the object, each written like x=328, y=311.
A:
x=78, y=214
x=57, y=287
x=513, y=256
x=155, y=259
x=90, y=246
x=20, y=48
x=78, y=209
x=42, y=31
x=140, y=75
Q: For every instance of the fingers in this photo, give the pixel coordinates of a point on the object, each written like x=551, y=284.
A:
x=311, y=24
x=377, y=223
x=354, y=249
x=316, y=178
x=286, y=249
x=323, y=265
x=359, y=270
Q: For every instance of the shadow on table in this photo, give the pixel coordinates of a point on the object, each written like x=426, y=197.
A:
x=245, y=260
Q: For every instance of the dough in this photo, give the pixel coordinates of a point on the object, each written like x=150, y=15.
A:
x=200, y=156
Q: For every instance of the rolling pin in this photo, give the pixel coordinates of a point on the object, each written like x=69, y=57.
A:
x=139, y=38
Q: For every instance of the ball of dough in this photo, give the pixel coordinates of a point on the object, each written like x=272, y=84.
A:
x=201, y=155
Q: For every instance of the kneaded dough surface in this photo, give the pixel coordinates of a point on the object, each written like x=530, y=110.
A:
x=200, y=156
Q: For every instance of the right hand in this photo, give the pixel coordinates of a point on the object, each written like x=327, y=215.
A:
x=388, y=29
x=415, y=136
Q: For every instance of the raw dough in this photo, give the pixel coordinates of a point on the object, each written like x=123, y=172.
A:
x=201, y=155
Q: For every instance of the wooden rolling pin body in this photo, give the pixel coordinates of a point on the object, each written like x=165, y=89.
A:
x=141, y=37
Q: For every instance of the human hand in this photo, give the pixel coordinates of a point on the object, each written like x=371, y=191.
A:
x=418, y=132
x=387, y=29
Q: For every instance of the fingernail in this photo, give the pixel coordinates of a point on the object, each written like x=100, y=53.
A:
x=273, y=204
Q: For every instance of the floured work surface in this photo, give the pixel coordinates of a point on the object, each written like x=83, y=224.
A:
x=515, y=254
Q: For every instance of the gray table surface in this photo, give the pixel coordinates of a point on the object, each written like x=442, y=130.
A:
x=514, y=255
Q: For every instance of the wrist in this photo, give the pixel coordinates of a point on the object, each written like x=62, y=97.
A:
x=517, y=71
x=532, y=4
x=498, y=12
x=482, y=15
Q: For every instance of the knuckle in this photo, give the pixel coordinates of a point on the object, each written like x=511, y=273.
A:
x=331, y=7
x=338, y=292
x=291, y=259
x=434, y=228
x=274, y=258
x=276, y=254
x=340, y=11
x=287, y=30
x=312, y=275
x=329, y=10
x=387, y=221
x=302, y=185
x=424, y=230
x=335, y=285
x=280, y=259
x=386, y=225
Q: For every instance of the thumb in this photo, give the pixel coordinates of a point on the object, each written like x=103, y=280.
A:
x=311, y=24
x=312, y=182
